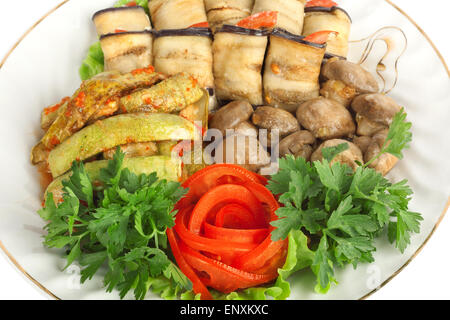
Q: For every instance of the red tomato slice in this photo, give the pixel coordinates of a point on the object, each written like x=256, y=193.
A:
x=265, y=19
x=197, y=285
x=321, y=3
x=204, y=180
x=235, y=216
x=238, y=235
x=219, y=275
x=227, y=193
x=258, y=257
x=225, y=249
x=320, y=37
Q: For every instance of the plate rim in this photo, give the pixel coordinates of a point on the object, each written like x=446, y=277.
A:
x=441, y=217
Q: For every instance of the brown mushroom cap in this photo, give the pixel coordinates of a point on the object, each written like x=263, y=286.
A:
x=326, y=119
x=351, y=74
x=348, y=156
x=298, y=144
x=229, y=116
x=271, y=118
x=376, y=107
x=386, y=161
x=246, y=128
x=363, y=143
x=245, y=151
x=338, y=91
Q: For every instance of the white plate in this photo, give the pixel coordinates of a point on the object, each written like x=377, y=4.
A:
x=44, y=67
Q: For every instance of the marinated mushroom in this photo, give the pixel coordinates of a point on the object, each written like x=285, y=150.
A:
x=231, y=115
x=245, y=151
x=349, y=156
x=246, y=128
x=271, y=118
x=386, y=161
x=298, y=144
x=363, y=142
x=374, y=112
x=274, y=120
x=344, y=80
x=326, y=119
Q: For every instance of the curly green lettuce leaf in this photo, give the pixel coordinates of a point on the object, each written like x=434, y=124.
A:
x=94, y=63
x=141, y=3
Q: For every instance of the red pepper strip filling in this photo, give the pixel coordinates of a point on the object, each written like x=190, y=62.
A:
x=265, y=19
x=321, y=3
x=206, y=179
x=238, y=235
x=197, y=284
x=320, y=37
x=200, y=25
x=219, y=275
x=226, y=250
x=227, y=193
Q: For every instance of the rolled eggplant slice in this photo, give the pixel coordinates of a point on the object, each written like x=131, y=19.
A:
x=333, y=19
x=94, y=94
x=116, y=131
x=230, y=12
x=113, y=20
x=176, y=14
x=292, y=70
x=127, y=51
x=238, y=60
x=169, y=96
x=166, y=167
x=188, y=50
x=290, y=13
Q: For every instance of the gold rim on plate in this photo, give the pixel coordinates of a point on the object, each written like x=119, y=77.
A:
x=51, y=294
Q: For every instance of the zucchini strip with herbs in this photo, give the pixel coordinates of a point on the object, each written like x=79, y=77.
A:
x=102, y=91
x=169, y=96
x=115, y=131
x=166, y=167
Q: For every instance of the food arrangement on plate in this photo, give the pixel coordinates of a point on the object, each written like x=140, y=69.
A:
x=215, y=148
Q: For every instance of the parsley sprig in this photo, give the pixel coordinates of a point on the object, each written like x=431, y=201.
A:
x=119, y=223
x=341, y=210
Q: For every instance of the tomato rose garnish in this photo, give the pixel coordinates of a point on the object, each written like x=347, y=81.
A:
x=222, y=233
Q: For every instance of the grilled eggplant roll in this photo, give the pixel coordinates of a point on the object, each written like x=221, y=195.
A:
x=238, y=59
x=292, y=70
x=127, y=51
x=333, y=19
x=290, y=13
x=222, y=12
x=113, y=20
x=176, y=14
x=188, y=50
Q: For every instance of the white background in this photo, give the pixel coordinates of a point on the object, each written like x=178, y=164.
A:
x=427, y=275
